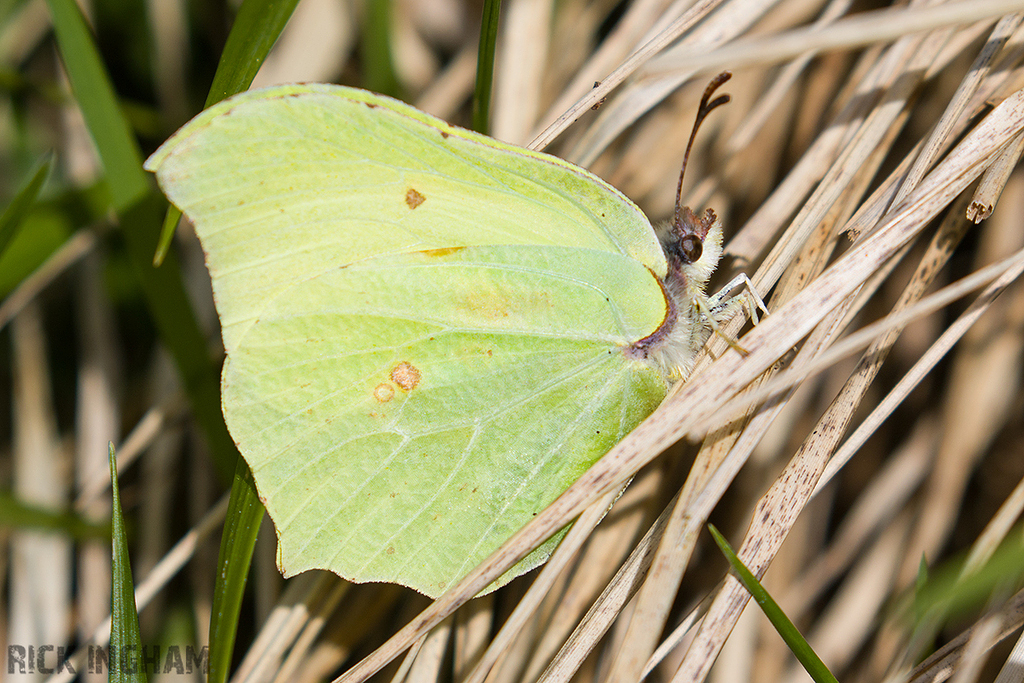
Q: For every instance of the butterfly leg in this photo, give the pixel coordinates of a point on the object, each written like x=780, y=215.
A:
x=723, y=304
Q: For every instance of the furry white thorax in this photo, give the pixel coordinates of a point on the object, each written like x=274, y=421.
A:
x=674, y=354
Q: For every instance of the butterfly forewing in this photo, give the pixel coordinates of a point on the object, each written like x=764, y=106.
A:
x=292, y=181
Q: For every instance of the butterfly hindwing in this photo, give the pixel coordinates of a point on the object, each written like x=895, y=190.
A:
x=399, y=440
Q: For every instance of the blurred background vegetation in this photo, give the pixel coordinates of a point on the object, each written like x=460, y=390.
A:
x=98, y=345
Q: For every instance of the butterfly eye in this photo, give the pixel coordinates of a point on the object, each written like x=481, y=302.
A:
x=692, y=248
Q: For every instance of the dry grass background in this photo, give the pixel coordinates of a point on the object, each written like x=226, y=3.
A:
x=845, y=170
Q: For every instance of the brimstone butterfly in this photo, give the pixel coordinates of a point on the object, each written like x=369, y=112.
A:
x=430, y=334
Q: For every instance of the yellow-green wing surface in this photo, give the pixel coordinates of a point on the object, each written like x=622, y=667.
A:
x=425, y=328
x=288, y=182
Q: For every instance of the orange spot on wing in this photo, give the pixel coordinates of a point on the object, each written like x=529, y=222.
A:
x=444, y=251
x=406, y=375
x=383, y=392
x=413, y=198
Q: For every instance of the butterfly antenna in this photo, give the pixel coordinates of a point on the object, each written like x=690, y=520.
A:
x=704, y=109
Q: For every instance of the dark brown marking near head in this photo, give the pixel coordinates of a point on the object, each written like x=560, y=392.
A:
x=444, y=134
x=371, y=105
x=413, y=198
x=406, y=376
x=641, y=348
x=383, y=392
x=443, y=251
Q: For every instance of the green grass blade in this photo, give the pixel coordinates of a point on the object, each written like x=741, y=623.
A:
x=255, y=30
x=8, y=8
x=172, y=313
x=125, y=639
x=793, y=638
x=163, y=245
x=47, y=226
x=139, y=208
x=958, y=590
x=485, y=66
x=245, y=512
x=18, y=515
x=953, y=591
x=22, y=202
x=375, y=50
x=120, y=154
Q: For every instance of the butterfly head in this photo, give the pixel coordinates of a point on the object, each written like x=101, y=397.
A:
x=692, y=245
